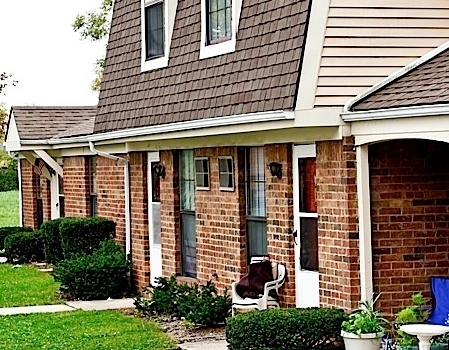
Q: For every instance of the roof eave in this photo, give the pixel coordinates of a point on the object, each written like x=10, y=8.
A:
x=399, y=112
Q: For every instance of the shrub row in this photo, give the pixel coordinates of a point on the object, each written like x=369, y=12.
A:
x=65, y=238
x=99, y=275
x=276, y=329
x=198, y=304
x=6, y=231
x=23, y=247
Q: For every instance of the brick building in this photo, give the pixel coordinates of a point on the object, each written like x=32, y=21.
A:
x=217, y=137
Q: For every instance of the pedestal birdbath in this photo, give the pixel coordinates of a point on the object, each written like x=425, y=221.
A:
x=424, y=332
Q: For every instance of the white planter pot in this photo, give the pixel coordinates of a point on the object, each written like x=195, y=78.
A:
x=368, y=341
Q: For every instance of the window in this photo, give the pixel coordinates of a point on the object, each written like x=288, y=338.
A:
x=93, y=187
x=187, y=217
x=154, y=31
x=218, y=21
x=202, y=173
x=219, y=25
x=157, y=27
x=256, y=208
x=226, y=173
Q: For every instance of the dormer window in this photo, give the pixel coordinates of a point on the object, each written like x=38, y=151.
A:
x=219, y=25
x=157, y=17
x=219, y=15
x=154, y=30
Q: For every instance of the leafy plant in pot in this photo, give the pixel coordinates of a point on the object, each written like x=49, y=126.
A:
x=364, y=328
x=416, y=313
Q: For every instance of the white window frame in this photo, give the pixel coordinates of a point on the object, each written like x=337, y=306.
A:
x=202, y=173
x=169, y=8
x=220, y=172
x=217, y=49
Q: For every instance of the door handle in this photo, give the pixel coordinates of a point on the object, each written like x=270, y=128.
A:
x=295, y=234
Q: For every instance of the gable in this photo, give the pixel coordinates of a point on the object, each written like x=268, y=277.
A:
x=261, y=75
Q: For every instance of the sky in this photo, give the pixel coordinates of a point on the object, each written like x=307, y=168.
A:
x=51, y=63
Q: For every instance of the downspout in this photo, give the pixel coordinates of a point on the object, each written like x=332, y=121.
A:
x=127, y=195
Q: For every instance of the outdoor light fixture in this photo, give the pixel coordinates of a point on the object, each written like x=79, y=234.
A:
x=159, y=170
x=275, y=169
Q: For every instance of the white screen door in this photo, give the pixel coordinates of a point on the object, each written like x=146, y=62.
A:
x=306, y=230
x=154, y=216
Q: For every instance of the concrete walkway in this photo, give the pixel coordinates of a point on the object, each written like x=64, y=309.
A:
x=110, y=304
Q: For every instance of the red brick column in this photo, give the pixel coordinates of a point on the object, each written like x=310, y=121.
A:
x=111, y=194
x=46, y=198
x=170, y=226
x=279, y=194
x=139, y=219
x=29, y=210
x=76, y=186
x=220, y=222
x=337, y=224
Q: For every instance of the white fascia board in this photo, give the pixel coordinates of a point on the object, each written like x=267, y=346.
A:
x=196, y=124
x=400, y=112
x=423, y=59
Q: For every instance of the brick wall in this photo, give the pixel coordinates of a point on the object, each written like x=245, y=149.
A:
x=111, y=194
x=29, y=210
x=46, y=198
x=220, y=222
x=279, y=193
x=337, y=224
x=139, y=220
x=410, y=217
x=76, y=186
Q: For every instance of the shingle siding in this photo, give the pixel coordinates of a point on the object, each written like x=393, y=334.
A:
x=261, y=75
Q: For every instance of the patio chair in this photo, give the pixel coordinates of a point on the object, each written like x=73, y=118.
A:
x=268, y=299
x=440, y=295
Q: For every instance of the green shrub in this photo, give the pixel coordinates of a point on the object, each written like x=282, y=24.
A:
x=275, y=329
x=6, y=231
x=83, y=235
x=98, y=276
x=198, y=304
x=8, y=180
x=23, y=247
x=52, y=240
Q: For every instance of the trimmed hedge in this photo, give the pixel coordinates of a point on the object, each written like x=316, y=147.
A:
x=84, y=235
x=276, y=329
x=6, y=231
x=8, y=180
x=98, y=276
x=23, y=247
x=52, y=240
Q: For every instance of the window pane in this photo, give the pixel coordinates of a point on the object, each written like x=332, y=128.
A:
x=309, y=244
x=256, y=201
x=188, y=244
x=257, y=237
x=187, y=180
x=219, y=19
x=307, y=200
x=154, y=33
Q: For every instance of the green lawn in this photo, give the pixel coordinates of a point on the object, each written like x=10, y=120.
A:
x=93, y=330
x=9, y=208
x=26, y=285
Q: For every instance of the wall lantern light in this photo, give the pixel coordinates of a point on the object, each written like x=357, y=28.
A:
x=275, y=169
x=159, y=170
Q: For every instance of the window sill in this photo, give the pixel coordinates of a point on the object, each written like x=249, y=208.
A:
x=154, y=63
x=217, y=49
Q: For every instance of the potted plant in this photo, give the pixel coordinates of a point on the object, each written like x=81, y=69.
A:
x=416, y=313
x=364, y=328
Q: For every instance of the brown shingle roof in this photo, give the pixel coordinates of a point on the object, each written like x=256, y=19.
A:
x=424, y=85
x=261, y=75
x=40, y=123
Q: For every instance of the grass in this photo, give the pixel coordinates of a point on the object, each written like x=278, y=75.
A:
x=81, y=330
x=25, y=286
x=9, y=208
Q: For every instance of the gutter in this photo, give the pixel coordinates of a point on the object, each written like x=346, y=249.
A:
x=127, y=194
